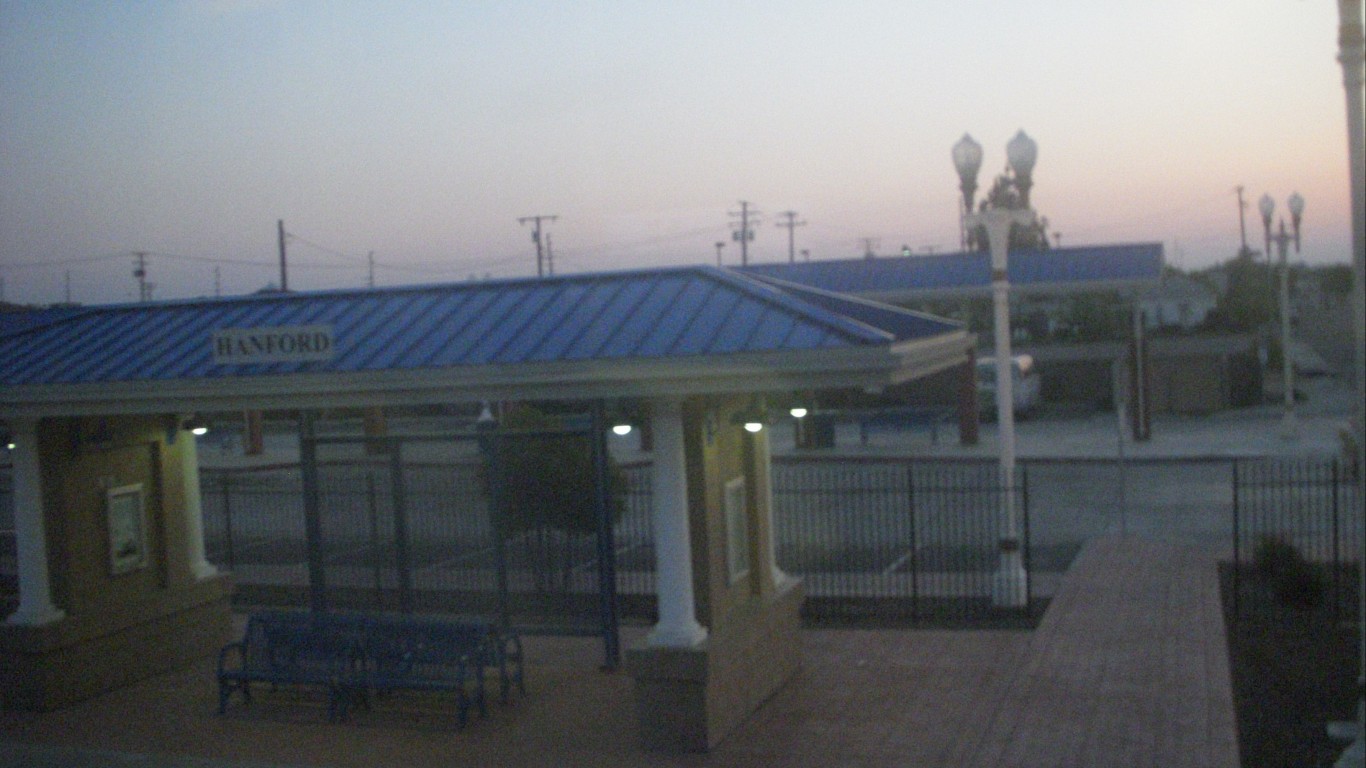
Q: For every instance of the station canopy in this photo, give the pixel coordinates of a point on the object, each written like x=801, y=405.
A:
x=665, y=332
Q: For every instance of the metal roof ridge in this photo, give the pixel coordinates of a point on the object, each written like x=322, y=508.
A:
x=851, y=328
x=849, y=298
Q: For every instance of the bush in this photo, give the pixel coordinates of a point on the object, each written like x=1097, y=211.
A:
x=1294, y=580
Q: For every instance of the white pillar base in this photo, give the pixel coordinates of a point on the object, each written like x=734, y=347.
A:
x=35, y=617
x=1010, y=588
x=682, y=636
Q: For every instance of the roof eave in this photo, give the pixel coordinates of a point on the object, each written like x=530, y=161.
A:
x=871, y=366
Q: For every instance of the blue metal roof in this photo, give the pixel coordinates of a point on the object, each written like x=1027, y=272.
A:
x=657, y=314
x=1080, y=268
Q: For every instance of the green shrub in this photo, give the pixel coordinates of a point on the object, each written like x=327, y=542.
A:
x=1273, y=555
x=1295, y=581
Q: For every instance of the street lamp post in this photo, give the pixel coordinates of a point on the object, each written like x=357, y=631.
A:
x=1011, y=587
x=1282, y=241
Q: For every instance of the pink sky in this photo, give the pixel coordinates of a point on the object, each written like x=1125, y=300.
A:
x=422, y=132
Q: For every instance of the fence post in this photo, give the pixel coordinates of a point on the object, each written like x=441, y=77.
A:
x=1028, y=547
x=607, y=555
x=1237, y=549
x=372, y=504
x=313, y=530
x=401, y=556
x=228, y=550
x=915, y=566
x=1337, y=565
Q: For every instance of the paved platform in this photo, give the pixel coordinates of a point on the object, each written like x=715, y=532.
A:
x=1128, y=667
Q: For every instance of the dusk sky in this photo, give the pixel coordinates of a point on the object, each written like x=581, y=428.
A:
x=422, y=131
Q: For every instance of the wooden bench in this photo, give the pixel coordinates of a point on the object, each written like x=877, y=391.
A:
x=356, y=655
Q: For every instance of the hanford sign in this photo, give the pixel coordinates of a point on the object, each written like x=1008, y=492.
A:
x=282, y=344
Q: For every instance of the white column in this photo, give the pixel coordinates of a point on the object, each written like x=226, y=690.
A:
x=763, y=459
x=200, y=566
x=677, y=625
x=35, y=590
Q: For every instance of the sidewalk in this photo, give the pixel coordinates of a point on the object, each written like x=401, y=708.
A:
x=1128, y=667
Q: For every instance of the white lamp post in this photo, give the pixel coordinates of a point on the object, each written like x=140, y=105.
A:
x=1011, y=588
x=1267, y=206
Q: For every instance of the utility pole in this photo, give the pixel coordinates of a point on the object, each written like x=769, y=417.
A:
x=870, y=247
x=140, y=272
x=217, y=283
x=68, y=286
x=791, y=225
x=549, y=256
x=536, y=236
x=1242, y=223
x=719, y=245
x=745, y=233
x=284, y=273
x=371, y=260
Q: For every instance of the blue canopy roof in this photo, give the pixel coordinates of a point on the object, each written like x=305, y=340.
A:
x=910, y=277
x=696, y=323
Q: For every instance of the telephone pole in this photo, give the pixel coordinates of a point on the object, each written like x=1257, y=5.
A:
x=870, y=245
x=745, y=232
x=140, y=272
x=791, y=224
x=1242, y=223
x=536, y=236
x=371, y=260
x=284, y=274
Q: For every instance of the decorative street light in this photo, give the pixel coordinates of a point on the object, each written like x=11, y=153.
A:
x=1011, y=588
x=1267, y=206
x=967, y=158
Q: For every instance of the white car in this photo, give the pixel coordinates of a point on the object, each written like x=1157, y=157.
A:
x=1025, y=385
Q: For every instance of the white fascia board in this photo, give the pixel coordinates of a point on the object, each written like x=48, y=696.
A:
x=566, y=380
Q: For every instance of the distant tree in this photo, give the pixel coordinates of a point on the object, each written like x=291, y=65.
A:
x=547, y=492
x=1247, y=302
x=1336, y=280
x=1095, y=317
x=1005, y=193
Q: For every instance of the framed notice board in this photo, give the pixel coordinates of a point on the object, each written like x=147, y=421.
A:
x=127, y=513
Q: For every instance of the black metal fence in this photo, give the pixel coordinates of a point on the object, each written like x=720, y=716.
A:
x=896, y=540
x=900, y=539
x=885, y=540
x=255, y=527
x=1297, y=536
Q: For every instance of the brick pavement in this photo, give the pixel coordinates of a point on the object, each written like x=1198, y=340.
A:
x=1128, y=667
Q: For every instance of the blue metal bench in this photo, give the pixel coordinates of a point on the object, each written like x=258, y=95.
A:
x=291, y=648
x=355, y=655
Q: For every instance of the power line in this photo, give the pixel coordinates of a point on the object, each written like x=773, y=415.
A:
x=536, y=236
x=791, y=224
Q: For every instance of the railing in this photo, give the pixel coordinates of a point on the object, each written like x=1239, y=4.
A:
x=1297, y=536
x=877, y=538
x=894, y=540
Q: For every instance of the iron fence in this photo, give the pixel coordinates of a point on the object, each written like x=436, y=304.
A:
x=896, y=540
x=1297, y=537
x=885, y=540
x=870, y=536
